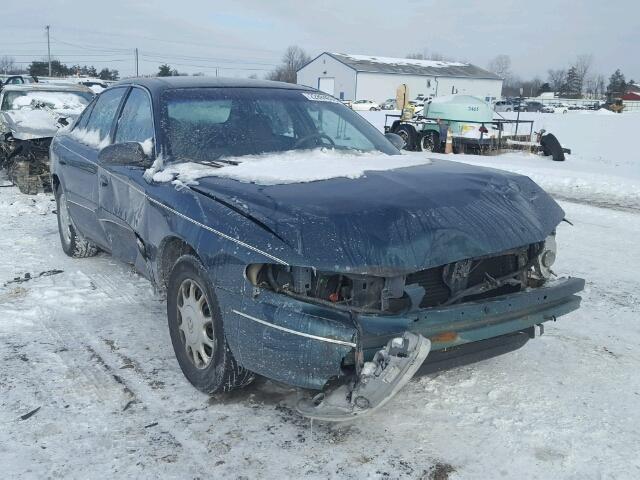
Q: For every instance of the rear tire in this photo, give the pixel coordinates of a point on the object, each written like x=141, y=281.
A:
x=197, y=330
x=73, y=244
x=430, y=142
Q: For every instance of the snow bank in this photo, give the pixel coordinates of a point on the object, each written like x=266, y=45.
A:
x=603, y=167
x=291, y=167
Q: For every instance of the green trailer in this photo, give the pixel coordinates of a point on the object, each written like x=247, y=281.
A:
x=469, y=120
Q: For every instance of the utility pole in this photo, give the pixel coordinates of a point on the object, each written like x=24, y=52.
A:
x=136, y=52
x=48, y=49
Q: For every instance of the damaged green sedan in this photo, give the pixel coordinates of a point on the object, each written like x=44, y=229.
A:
x=295, y=241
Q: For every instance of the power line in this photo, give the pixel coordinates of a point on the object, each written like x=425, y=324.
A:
x=211, y=67
x=165, y=40
x=112, y=60
x=207, y=59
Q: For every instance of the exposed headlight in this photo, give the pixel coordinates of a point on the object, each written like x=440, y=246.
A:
x=360, y=292
x=547, y=257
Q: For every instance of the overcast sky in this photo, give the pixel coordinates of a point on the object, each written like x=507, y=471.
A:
x=245, y=37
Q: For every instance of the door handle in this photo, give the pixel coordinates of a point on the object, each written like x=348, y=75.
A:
x=103, y=181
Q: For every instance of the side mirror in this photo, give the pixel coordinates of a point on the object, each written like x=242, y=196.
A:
x=396, y=140
x=126, y=154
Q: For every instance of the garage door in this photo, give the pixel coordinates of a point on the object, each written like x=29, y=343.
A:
x=327, y=84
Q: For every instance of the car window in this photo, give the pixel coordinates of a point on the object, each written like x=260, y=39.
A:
x=84, y=117
x=277, y=117
x=341, y=131
x=135, y=123
x=104, y=111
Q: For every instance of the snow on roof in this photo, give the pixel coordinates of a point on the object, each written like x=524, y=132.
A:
x=403, y=61
x=436, y=68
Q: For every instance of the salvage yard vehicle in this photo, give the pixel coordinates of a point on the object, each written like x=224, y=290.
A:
x=389, y=104
x=503, y=106
x=218, y=191
x=30, y=115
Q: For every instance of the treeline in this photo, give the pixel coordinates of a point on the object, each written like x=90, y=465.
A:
x=575, y=81
x=59, y=69
x=40, y=68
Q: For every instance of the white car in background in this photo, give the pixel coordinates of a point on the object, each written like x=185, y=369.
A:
x=365, y=105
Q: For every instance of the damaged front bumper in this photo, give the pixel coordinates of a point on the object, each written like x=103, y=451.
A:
x=310, y=346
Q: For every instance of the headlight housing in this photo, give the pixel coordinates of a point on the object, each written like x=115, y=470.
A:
x=547, y=257
x=359, y=292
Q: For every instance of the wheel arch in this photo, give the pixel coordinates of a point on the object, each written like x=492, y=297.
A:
x=169, y=251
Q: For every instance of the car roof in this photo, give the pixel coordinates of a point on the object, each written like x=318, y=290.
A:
x=27, y=87
x=159, y=84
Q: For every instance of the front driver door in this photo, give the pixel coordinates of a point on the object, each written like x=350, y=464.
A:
x=122, y=198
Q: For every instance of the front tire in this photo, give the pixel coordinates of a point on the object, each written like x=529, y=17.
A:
x=73, y=244
x=408, y=134
x=197, y=331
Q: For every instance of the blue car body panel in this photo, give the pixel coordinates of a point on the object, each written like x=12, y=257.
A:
x=386, y=223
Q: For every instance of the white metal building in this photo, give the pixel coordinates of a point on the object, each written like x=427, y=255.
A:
x=360, y=77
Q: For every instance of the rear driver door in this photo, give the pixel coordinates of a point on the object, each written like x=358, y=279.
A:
x=79, y=163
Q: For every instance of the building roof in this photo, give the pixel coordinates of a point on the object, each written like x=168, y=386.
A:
x=631, y=96
x=408, y=66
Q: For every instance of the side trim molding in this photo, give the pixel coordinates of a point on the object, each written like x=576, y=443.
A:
x=295, y=332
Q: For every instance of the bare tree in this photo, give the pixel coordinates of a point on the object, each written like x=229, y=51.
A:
x=292, y=60
x=583, y=65
x=7, y=64
x=435, y=56
x=557, y=79
x=589, y=85
x=601, y=85
x=501, y=66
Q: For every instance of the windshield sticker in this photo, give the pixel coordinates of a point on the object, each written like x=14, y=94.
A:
x=320, y=97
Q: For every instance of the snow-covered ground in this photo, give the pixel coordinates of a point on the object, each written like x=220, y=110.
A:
x=87, y=344
x=603, y=168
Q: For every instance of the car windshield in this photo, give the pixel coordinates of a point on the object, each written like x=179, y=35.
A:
x=57, y=100
x=203, y=124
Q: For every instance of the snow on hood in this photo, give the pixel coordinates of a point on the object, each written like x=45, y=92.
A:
x=35, y=114
x=27, y=124
x=60, y=101
x=296, y=166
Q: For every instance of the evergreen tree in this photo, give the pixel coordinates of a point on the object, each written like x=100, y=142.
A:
x=617, y=84
x=164, y=71
x=573, y=84
x=106, y=74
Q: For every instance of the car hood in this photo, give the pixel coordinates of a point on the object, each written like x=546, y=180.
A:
x=28, y=123
x=396, y=221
